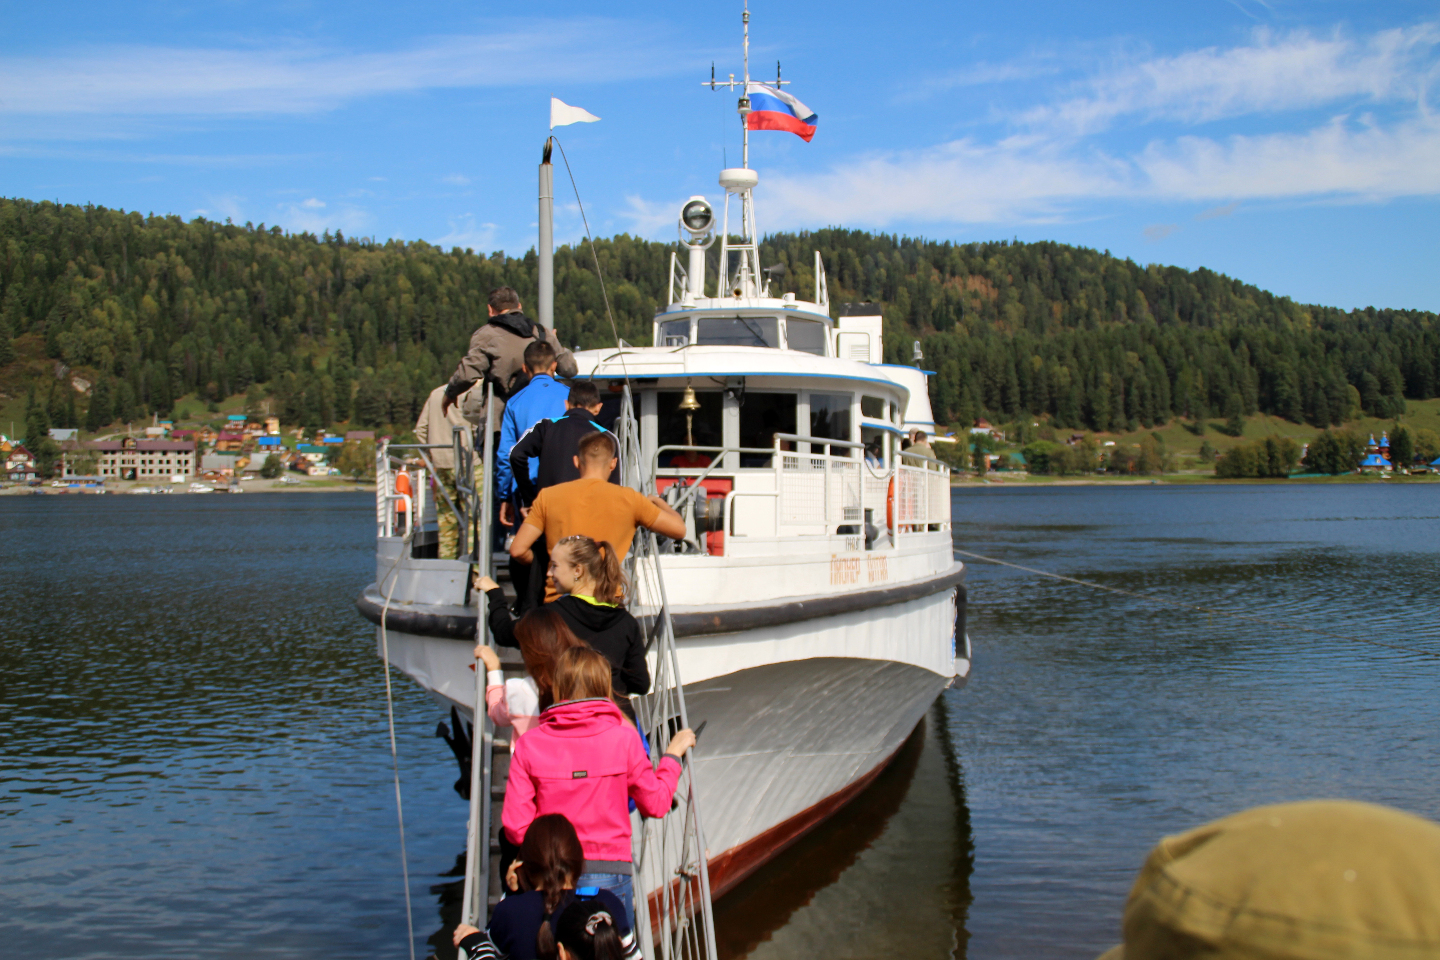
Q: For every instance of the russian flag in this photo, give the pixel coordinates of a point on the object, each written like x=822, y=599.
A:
x=773, y=109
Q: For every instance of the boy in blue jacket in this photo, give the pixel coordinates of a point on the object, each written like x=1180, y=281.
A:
x=541, y=399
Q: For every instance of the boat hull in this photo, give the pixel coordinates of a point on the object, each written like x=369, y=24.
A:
x=798, y=715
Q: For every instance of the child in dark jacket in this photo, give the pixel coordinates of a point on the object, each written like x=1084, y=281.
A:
x=588, y=575
x=551, y=860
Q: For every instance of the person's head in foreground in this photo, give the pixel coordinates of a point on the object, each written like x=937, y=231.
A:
x=582, y=674
x=551, y=859
x=587, y=930
x=1316, y=880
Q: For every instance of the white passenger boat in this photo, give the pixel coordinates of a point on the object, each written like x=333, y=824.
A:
x=816, y=605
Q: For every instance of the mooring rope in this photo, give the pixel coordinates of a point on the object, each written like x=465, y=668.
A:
x=1217, y=611
x=390, y=719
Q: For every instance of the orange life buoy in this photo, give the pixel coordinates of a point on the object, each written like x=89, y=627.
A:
x=402, y=485
x=890, y=505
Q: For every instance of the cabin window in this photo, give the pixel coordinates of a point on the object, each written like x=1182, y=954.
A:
x=738, y=331
x=807, y=336
x=670, y=422
x=872, y=407
x=830, y=417
x=675, y=333
x=874, y=440
x=762, y=415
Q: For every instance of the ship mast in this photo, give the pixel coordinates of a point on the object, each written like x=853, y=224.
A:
x=740, y=181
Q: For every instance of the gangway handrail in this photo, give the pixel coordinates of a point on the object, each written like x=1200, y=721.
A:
x=670, y=856
x=476, y=898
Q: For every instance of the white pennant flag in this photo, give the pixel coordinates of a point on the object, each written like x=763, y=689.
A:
x=561, y=113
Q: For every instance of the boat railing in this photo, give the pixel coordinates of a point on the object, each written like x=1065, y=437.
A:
x=672, y=879
x=462, y=506
x=817, y=491
x=679, y=279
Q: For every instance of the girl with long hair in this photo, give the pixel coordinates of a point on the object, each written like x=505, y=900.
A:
x=543, y=635
x=551, y=860
x=584, y=760
x=593, y=591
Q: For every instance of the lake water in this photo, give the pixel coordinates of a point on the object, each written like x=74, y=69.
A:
x=193, y=759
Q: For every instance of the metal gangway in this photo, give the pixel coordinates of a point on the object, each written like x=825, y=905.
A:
x=674, y=918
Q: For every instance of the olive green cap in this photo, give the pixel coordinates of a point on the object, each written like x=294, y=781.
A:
x=1318, y=880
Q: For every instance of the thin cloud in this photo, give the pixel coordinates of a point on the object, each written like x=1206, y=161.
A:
x=456, y=179
x=154, y=80
x=1272, y=74
x=1159, y=231
x=307, y=218
x=467, y=234
x=1056, y=164
x=1035, y=181
x=1214, y=212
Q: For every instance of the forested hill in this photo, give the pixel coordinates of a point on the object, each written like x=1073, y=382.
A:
x=153, y=308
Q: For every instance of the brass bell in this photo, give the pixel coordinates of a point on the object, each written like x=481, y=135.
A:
x=689, y=404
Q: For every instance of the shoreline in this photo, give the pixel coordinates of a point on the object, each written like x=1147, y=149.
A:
x=1178, y=479
x=183, y=489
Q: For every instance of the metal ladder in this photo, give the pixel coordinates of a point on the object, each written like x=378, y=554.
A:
x=674, y=918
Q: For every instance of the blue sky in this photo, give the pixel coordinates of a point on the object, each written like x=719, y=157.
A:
x=1295, y=145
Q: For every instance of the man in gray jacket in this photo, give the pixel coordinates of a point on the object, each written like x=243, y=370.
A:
x=497, y=356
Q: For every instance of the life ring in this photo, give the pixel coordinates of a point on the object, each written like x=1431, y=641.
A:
x=890, y=505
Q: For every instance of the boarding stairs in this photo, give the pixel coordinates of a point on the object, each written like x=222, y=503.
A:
x=676, y=920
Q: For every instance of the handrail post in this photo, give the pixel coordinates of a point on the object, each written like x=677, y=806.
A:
x=476, y=897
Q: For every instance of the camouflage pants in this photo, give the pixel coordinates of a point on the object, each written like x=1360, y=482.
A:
x=449, y=526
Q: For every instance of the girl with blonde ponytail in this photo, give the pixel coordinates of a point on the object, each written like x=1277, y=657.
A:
x=593, y=592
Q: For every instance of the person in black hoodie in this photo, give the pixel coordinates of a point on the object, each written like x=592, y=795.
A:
x=556, y=443
x=587, y=574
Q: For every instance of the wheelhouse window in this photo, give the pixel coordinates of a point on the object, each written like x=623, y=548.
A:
x=830, y=417
x=674, y=333
x=762, y=415
x=807, y=336
x=872, y=407
x=738, y=331
x=670, y=424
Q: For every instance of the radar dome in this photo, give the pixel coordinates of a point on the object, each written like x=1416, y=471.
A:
x=736, y=179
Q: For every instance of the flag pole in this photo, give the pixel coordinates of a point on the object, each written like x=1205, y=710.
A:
x=546, y=301
x=745, y=94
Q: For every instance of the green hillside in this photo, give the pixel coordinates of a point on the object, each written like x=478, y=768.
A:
x=333, y=329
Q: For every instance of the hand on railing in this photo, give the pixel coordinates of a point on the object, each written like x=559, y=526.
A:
x=681, y=743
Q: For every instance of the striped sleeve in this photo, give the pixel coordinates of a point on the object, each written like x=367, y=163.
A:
x=478, y=946
x=630, y=946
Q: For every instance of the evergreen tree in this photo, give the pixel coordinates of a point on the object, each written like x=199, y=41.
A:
x=1402, y=448
x=1335, y=452
x=37, y=419
x=1427, y=445
x=1234, y=416
x=98, y=415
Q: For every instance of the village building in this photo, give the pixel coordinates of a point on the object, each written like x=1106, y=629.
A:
x=132, y=459
x=20, y=464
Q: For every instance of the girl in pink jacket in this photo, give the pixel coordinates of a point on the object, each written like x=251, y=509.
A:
x=583, y=760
